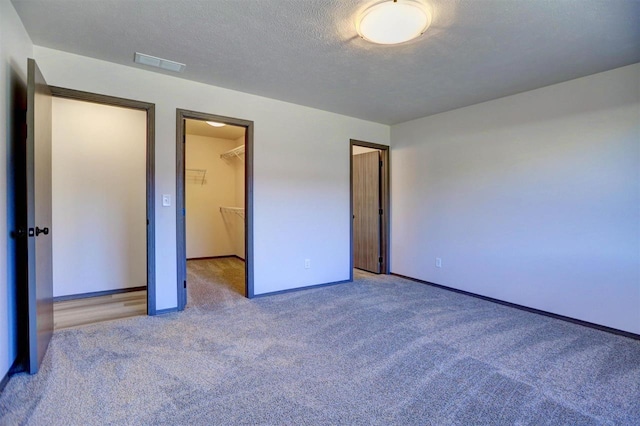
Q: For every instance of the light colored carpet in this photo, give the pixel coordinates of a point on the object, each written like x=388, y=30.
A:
x=381, y=350
x=212, y=281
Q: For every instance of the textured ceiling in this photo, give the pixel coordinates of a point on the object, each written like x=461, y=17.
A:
x=307, y=51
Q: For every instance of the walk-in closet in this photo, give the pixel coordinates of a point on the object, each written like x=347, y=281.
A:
x=214, y=209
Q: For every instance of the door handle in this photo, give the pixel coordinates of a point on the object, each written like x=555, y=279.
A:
x=44, y=231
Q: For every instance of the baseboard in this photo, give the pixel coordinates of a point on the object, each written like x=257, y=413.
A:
x=216, y=257
x=97, y=293
x=309, y=287
x=165, y=311
x=528, y=309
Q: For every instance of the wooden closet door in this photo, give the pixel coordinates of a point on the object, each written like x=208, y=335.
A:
x=366, y=211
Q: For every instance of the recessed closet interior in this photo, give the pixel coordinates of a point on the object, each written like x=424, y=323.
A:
x=214, y=206
x=98, y=212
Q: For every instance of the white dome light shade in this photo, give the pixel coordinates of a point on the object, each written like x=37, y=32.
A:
x=393, y=22
x=215, y=124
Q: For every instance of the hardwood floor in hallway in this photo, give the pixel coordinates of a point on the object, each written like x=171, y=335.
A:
x=90, y=310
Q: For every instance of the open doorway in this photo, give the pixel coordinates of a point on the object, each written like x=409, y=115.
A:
x=214, y=223
x=214, y=209
x=102, y=214
x=369, y=207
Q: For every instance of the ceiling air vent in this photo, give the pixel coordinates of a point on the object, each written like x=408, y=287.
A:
x=164, y=64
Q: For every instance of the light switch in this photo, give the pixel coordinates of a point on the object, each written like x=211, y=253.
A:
x=166, y=200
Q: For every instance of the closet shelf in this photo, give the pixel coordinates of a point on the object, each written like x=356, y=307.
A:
x=234, y=210
x=234, y=153
x=196, y=175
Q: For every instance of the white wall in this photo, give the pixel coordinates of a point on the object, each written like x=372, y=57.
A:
x=209, y=232
x=99, y=197
x=15, y=48
x=533, y=199
x=301, y=169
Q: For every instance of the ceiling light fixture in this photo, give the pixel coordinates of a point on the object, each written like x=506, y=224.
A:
x=153, y=61
x=215, y=124
x=393, y=21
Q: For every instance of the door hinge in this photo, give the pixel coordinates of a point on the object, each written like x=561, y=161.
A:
x=380, y=163
x=147, y=221
x=185, y=283
x=380, y=212
x=380, y=260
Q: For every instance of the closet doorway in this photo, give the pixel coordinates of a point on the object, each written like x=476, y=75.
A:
x=369, y=207
x=213, y=204
x=102, y=208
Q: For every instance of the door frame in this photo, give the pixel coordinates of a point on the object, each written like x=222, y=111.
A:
x=181, y=247
x=385, y=201
x=150, y=109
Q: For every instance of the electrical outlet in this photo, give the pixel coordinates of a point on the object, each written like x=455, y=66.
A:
x=307, y=263
x=438, y=262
